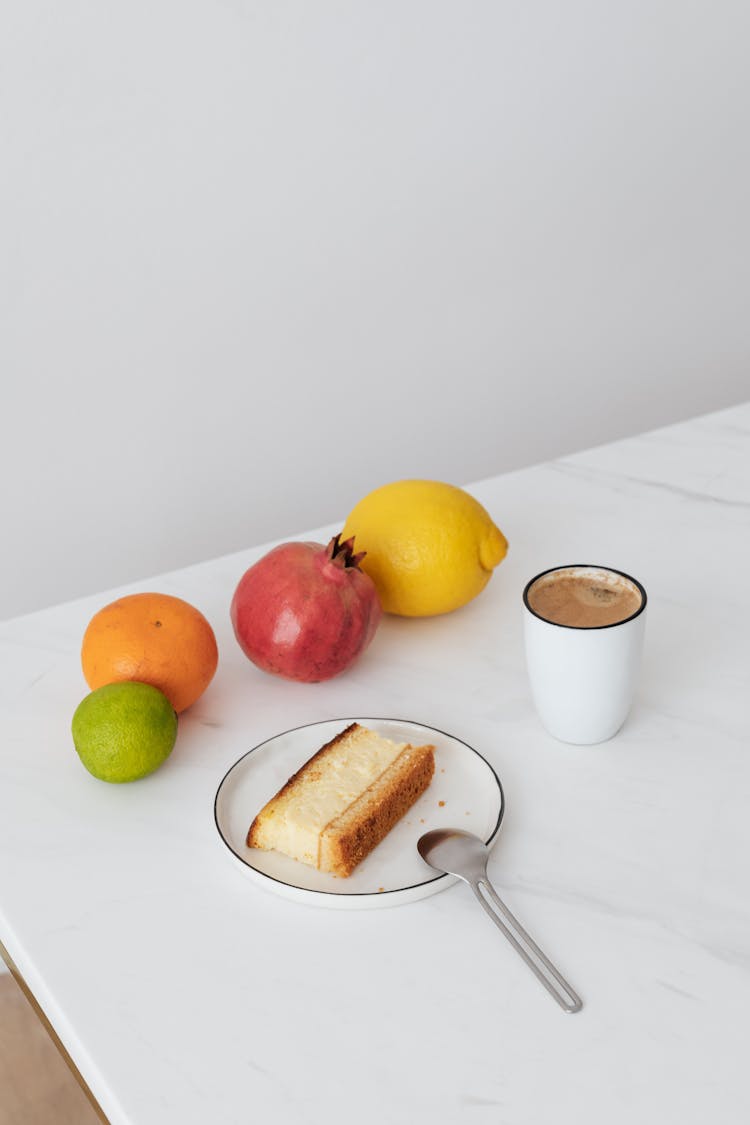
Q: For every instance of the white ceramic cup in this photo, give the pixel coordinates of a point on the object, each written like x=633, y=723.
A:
x=583, y=679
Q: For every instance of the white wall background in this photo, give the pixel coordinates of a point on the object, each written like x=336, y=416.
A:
x=260, y=257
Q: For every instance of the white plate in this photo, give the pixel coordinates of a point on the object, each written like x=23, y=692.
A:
x=465, y=793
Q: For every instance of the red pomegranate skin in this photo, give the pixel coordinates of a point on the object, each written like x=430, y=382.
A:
x=305, y=611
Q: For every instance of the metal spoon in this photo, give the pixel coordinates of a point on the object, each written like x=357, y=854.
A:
x=463, y=854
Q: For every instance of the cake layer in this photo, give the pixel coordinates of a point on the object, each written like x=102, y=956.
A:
x=351, y=836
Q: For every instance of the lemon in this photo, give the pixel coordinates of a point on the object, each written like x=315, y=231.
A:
x=124, y=731
x=430, y=547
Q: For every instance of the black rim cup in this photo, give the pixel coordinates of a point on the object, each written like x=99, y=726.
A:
x=586, y=566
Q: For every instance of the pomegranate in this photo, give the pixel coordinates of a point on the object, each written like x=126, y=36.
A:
x=306, y=611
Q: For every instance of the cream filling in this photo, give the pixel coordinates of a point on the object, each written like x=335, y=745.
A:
x=298, y=824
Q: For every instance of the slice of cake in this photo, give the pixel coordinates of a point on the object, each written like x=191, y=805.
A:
x=341, y=803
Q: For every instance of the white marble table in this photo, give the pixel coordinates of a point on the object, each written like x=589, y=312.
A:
x=187, y=995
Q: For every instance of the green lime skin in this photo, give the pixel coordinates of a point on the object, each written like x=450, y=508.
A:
x=124, y=731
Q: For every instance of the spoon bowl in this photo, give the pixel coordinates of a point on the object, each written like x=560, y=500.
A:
x=459, y=853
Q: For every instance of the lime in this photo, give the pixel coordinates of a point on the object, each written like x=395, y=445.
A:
x=124, y=731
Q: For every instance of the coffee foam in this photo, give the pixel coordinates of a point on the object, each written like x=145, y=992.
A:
x=584, y=597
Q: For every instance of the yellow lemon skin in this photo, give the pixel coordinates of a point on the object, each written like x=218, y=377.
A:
x=430, y=547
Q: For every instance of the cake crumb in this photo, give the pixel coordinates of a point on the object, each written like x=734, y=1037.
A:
x=441, y=803
x=421, y=820
x=380, y=890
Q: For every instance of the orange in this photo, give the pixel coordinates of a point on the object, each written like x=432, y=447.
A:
x=154, y=639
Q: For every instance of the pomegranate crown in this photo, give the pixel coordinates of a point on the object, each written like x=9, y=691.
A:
x=342, y=554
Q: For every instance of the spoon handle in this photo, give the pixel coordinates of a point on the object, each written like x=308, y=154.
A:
x=540, y=965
